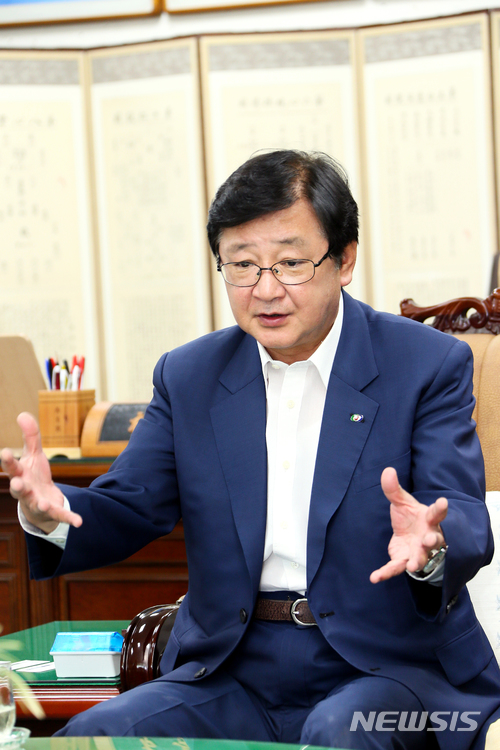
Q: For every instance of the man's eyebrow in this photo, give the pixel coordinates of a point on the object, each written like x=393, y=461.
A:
x=235, y=246
x=288, y=241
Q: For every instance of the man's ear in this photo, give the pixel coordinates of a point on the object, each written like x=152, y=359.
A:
x=348, y=263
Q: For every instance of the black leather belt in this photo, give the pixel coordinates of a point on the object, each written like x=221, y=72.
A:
x=278, y=611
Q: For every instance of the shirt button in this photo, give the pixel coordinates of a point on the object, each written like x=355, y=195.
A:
x=295, y=565
x=284, y=525
x=291, y=404
x=275, y=366
x=286, y=464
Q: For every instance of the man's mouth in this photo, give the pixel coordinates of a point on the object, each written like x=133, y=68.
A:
x=272, y=318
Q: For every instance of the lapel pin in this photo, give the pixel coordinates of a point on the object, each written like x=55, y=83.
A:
x=357, y=418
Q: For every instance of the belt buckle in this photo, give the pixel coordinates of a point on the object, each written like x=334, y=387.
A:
x=294, y=616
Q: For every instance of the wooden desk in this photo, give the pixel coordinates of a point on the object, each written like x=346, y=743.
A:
x=157, y=574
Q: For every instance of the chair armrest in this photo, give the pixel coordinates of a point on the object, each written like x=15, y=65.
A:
x=144, y=644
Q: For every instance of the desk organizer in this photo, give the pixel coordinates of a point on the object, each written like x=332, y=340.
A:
x=61, y=415
x=87, y=654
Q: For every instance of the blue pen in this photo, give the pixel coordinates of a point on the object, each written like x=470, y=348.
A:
x=48, y=367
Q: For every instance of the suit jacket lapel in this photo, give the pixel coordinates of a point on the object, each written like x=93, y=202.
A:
x=341, y=440
x=239, y=423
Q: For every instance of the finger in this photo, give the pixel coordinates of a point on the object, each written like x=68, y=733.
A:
x=10, y=465
x=31, y=432
x=389, y=570
x=437, y=512
x=66, y=516
x=21, y=489
x=420, y=557
x=392, y=489
x=432, y=540
x=42, y=509
x=49, y=521
x=18, y=488
x=417, y=561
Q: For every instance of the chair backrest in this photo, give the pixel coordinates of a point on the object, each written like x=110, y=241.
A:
x=20, y=380
x=452, y=317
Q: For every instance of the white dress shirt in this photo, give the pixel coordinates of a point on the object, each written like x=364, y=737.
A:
x=295, y=403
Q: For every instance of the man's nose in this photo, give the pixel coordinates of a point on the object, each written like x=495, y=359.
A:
x=268, y=286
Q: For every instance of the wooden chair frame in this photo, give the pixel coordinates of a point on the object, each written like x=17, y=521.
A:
x=452, y=317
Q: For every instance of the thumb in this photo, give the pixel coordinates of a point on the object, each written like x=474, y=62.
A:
x=392, y=489
x=31, y=433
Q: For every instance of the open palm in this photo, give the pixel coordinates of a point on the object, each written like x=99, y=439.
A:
x=416, y=529
x=31, y=481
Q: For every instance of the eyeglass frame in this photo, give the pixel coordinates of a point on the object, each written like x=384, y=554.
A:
x=270, y=268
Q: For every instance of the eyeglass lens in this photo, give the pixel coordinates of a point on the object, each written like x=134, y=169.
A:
x=287, y=271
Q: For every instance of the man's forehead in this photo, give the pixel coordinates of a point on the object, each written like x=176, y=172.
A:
x=294, y=226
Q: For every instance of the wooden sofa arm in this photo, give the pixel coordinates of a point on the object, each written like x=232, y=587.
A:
x=144, y=644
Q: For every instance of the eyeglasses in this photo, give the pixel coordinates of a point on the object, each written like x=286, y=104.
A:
x=290, y=272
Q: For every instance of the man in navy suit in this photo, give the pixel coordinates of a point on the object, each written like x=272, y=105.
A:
x=325, y=463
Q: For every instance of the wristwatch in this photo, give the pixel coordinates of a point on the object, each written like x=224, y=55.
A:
x=436, y=556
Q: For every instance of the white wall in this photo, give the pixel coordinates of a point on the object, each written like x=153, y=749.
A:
x=308, y=15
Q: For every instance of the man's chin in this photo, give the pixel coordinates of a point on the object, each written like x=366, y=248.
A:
x=275, y=344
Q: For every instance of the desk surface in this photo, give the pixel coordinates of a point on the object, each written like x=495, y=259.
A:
x=154, y=743
x=36, y=643
x=61, y=699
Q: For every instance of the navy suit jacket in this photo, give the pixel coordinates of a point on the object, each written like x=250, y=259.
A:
x=200, y=454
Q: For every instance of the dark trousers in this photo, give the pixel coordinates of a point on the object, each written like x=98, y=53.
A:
x=284, y=683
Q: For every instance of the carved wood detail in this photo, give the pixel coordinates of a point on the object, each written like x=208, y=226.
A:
x=452, y=316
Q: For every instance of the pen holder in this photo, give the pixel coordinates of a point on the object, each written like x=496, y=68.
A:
x=61, y=415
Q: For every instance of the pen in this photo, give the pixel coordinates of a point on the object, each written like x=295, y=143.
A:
x=81, y=364
x=48, y=367
x=56, y=378
x=63, y=378
x=75, y=378
x=77, y=362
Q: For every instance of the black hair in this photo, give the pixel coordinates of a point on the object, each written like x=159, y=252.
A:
x=274, y=181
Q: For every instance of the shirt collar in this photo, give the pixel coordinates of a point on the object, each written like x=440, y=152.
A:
x=324, y=355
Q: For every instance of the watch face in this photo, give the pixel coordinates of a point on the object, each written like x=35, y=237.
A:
x=436, y=557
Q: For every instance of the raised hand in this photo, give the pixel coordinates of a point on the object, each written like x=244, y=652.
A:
x=31, y=481
x=416, y=529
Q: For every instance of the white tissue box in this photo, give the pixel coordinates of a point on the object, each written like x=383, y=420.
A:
x=78, y=655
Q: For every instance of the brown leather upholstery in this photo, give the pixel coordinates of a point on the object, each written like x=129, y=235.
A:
x=486, y=351
x=144, y=644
